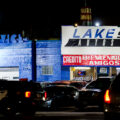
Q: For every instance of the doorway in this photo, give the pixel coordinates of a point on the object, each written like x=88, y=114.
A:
x=9, y=73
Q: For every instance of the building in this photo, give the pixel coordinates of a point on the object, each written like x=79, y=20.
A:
x=16, y=58
x=84, y=53
x=91, y=51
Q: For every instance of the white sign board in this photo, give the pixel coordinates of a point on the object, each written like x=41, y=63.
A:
x=88, y=45
x=102, y=40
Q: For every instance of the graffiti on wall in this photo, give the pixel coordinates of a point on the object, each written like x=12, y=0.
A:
x=12, y=38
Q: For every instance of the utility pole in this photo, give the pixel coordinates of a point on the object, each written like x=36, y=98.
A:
x=34, y=73
x=29, y=34
x=85, y=3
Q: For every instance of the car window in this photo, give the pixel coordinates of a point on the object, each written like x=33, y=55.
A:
x=116, y=83
x=99, y=84
x=91, y=85
x=53, y=91
x=77, y=85
x=56, y=91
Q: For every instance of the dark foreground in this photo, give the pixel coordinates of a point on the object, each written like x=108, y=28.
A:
x=58, y=116
x=63, y=114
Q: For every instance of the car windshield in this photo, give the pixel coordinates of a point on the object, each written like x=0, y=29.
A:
x=99, y=84
x=116, y=83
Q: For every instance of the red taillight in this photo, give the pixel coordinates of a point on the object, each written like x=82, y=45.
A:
x=27, y=94
x=45, y=95
x=107, y=97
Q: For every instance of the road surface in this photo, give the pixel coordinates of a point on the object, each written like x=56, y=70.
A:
x=58, y=115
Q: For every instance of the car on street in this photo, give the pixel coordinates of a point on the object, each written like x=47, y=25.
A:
x=112, y=100
x=56, y=96
x=18, y=96
x=78, y=84
x=93, y=93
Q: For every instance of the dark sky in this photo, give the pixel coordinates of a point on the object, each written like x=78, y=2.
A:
x=44, y=18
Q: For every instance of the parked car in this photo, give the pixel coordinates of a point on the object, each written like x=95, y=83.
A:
x=77, y=84
x=18, y=96
x=92, y=94
x=112, y=100
x=56, y=96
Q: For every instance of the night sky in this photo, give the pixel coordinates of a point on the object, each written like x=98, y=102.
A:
x=44, y=18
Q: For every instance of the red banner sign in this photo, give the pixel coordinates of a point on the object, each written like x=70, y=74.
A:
x=92, y=60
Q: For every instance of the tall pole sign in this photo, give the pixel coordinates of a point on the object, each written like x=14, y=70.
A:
x=86, y=16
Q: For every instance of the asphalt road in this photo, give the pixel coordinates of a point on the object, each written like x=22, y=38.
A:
x=62, y=114
x=69, y=113
x=58, y=116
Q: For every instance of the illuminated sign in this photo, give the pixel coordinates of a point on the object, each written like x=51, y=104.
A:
x=81, y=72
x=91, y=46
x=103, y=70
x=86, y=14
x=92, y=60
x=103, y=40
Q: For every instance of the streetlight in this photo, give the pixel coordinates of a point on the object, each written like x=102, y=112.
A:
x=76, y=25
x=97, y=24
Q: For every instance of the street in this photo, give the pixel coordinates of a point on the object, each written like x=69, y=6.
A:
x=70, y=115
x=59, y=116
x=67, y=114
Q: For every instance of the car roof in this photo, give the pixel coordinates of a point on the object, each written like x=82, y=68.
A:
x=60, y=86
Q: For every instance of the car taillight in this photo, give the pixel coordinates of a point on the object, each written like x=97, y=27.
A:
x=107, y=97
x=45, y=96
x=27, y=94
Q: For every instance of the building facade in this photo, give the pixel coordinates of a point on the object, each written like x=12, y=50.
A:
x=16, y=59
x=76, y=58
